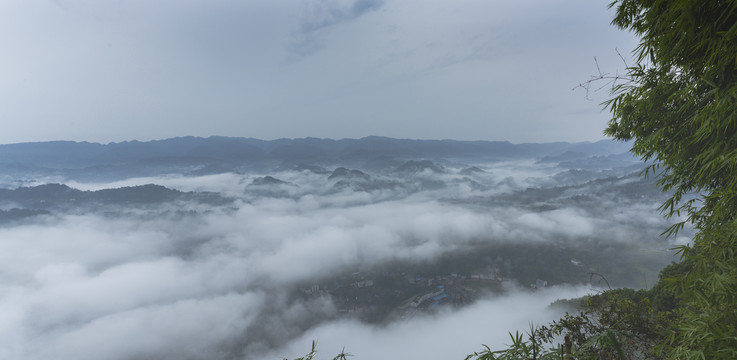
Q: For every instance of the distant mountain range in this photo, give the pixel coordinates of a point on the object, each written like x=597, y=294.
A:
x=198, y=156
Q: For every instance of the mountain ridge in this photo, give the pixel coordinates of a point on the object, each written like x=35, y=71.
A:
x=95, y=161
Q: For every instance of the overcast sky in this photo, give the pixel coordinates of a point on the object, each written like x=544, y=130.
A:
x=109, y=70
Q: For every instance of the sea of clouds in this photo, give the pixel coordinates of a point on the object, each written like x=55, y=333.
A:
x=214, y=284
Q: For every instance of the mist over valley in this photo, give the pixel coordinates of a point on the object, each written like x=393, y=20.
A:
x=235, y=248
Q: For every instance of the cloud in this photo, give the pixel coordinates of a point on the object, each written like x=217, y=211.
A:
x=320, y=14
x=449, y=335
x=220, y=283
x=568, y=222
x=184, y=329
x=399, y=68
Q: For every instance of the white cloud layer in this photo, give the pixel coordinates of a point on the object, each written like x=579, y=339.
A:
x=216, y=285
x=448, y=335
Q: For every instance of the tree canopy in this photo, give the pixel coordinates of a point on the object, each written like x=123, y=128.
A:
x=679, y=108
x=679, y=105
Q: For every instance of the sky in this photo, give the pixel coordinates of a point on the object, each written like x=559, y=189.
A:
x=109, y=71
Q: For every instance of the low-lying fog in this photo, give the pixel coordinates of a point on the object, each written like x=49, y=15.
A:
x=264, y=272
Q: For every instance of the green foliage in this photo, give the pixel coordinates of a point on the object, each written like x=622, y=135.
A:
x=680, y=109
x=617, y=324
x=311, y=355
x=666, y=294
x=519, y=349
x=707, y=327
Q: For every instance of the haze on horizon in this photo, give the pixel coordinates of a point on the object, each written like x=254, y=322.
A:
x=109, y=71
